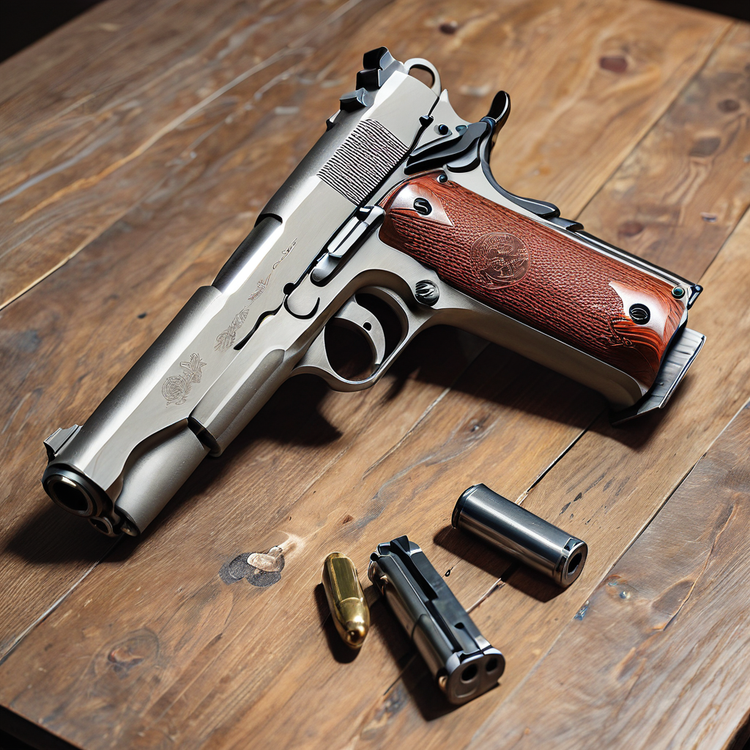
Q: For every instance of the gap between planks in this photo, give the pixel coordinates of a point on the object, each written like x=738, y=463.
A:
x=500, y=583
x=39, y=620
x=176, y=122
x=206, y=101
x=585, y=599
x=190, y=112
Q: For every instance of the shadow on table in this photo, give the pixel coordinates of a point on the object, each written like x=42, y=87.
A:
x=52, y=536
x=734, y=8
x=414, y=681
x=501, y=567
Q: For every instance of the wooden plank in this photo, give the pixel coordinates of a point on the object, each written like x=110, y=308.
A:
x=575, y=116
x=158, y=645
x=665, y=201
x=161, y=607
x=658, y=657
x=86, y=141
x=140, y=255
x=610, y=489
x=104, y=143
x=65, y=51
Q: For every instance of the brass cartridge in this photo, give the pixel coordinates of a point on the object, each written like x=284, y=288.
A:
x=351, y=615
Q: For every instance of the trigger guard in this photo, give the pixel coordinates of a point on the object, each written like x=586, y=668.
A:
x=361, y=320
x=354, y=316
x=316, y=362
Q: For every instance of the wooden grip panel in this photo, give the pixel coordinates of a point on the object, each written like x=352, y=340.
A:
x=538, y=275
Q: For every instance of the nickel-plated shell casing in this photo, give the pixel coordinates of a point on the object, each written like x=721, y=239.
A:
x=520, y=534
x=351, y=615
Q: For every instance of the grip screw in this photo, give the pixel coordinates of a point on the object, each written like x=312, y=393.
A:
x=639, y=314
x=678, y=292
x=426, y=292
x=422, y=206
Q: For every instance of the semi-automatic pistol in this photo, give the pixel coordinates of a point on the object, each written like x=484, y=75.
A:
x=392, y=222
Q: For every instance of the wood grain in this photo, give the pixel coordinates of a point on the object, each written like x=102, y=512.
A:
x=113, y=124
x=174, y=242
x=402, y=708
x=153, y=648
x=601, y=492
x=665, y=201
x=200, y=658
x=103, y=143
x=657, y=630
x=78, y=323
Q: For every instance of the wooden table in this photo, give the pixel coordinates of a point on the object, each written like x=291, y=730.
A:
x=138, y=144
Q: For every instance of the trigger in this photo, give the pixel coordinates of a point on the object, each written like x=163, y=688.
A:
x=353, y=316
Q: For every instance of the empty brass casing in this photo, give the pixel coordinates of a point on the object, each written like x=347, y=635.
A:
x=351, y=615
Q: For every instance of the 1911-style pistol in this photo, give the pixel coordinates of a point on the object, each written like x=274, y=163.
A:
x=393, y=221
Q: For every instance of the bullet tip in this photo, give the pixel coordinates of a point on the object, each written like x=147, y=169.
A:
x=355, y=635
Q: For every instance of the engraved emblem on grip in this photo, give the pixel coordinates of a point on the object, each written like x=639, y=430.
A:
x=176, y=388
x=499, y=259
